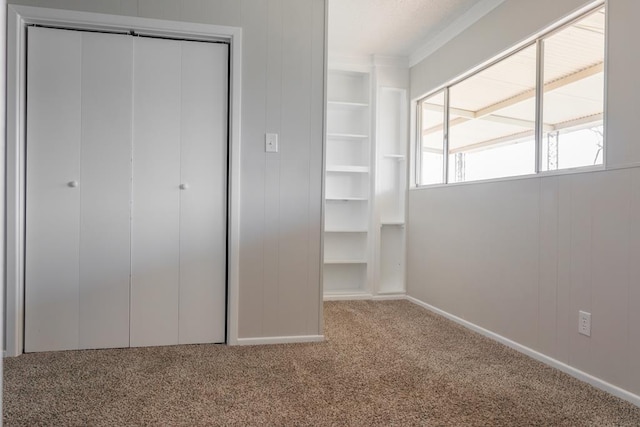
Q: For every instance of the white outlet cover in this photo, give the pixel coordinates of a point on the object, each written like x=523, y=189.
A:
x=584, y=323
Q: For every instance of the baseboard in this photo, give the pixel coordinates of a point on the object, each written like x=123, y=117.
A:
x=363, y=296
x=280, y=340
x=389, y=297
x=576, y=373
x=347, y=296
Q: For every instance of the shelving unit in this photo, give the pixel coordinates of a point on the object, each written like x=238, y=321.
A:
x=390, y=190
x=347, y=254
x=365, y=184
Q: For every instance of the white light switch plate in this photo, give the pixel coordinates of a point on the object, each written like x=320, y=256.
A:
x=271, y=143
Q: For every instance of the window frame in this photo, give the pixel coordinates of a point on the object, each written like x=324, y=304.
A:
x=538, y=42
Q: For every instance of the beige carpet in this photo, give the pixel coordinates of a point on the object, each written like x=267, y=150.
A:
x=384, y=363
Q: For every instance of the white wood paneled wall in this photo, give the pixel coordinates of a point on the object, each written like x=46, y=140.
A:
x=281, y=194
x=520, y=258
x=280, y=250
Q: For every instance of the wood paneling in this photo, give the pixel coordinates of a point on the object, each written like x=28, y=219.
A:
x=548, y=271
x=521, y=258
x=253, y=196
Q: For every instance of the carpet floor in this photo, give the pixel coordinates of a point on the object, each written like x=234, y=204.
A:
x=387, y=363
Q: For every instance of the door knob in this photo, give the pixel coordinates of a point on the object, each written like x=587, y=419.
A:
x=184, y=186
x=73, y=184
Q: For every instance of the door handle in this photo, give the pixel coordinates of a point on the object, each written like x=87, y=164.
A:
x=73, y=184
x=184, y=186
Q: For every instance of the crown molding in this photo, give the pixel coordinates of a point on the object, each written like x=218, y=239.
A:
x=390, y=61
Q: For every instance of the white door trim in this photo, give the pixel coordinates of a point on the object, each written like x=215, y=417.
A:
x=18, y=17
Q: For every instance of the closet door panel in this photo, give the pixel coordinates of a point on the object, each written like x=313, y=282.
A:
x=203, y=205
x=156, y=194
x=52, y=206
x=107, y=83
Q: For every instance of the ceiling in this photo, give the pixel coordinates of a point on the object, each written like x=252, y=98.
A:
x=395, y=27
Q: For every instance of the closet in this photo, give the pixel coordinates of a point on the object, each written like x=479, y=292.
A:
x=126, y=191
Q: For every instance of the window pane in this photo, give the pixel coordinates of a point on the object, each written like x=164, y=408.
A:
x=492, y=121
x=431, y=141
x=573, y=102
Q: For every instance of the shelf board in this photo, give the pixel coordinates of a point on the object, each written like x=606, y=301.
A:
x=347, y=136
x=347, y=104
x=345, y=261
x=346, y=230
x=391, y=223
x=398, y=157
x=346, y=199
x=348, y=169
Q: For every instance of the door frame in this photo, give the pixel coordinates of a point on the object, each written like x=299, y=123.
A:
x=18, y=18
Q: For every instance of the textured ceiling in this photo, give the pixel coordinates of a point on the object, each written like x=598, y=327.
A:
x=389, y=27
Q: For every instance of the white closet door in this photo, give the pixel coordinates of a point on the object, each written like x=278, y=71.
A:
x=203, y=201
x=105, y=188
x=77, y=222
x=156, y=194
x=52, y=207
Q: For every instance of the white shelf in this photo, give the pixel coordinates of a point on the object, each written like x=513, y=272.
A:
x=345, y=104
x=398, y=157
x=348, y=172
x=355, y=136
x=348, y=169
x=392, y=223
x=345, y=261
x=346, y=199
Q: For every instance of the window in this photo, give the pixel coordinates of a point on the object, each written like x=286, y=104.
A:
x=432, y=115
x=546, y=98
x=573, y=97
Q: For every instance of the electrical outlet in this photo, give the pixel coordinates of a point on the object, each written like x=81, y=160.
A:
x=584, y=323
x=271, y=143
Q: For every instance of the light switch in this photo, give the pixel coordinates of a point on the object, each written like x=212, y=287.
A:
x=271, y=143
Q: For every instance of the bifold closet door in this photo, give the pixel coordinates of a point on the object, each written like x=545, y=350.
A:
x=179, y=192
x=78, y=146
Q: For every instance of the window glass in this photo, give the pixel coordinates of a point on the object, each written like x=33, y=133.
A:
x=492, y=120
x=574, y=95
x=432, y=140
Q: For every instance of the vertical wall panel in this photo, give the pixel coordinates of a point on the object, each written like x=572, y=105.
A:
x=203, y=205
x=633, y=301
x=610, y=275
x=581, y=260
x=252, y=223
x=160, y=9
x=220, y=12
x=196, y=10
x=294, y=167
x=156, y=179
x=565, y=324
x=272, y=183
x=53, y=208
x=128, y=7
x=313, y=301
x=548, y=272
x=105, y=188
